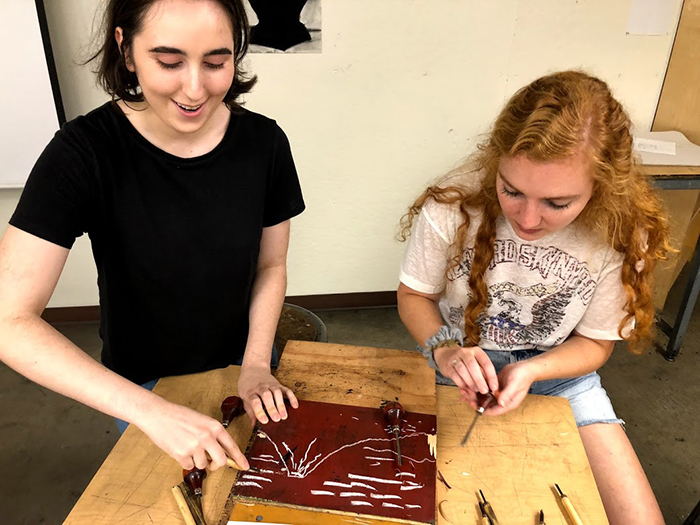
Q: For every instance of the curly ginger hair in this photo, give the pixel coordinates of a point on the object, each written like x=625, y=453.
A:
x=553, y=118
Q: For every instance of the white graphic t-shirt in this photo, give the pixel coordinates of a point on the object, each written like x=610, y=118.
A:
x=539, y=291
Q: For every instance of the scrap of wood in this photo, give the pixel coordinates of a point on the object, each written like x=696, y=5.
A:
x=432, y=444
x=442, y=479
x=442, y=513
x=182, y=505
x=191, y=503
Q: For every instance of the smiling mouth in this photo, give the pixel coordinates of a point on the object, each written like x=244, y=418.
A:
x=190, y=109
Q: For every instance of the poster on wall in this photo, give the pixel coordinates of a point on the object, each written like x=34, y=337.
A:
x=284, y=26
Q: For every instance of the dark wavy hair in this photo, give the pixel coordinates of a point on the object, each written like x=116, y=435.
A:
x=119, y=82
x=553, y=118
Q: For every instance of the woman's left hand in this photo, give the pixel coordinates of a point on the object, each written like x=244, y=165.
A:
x=515, y=380
x=263, y=395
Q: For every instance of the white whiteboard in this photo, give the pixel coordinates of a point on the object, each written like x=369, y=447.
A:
x=28, y=118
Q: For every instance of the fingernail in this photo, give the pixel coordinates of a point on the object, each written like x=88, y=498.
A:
x=502, y=402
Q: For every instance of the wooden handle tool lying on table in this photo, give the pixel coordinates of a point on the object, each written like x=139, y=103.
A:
x=188, y=494
x=486, y=509
x=189, y=509
x=573, y=515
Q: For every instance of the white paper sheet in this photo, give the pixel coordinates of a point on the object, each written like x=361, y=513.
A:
x=663, y=147
x=651, y=17
x=654, y=147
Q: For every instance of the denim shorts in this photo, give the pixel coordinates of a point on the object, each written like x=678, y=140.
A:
x=588, y=399
x=122, y=425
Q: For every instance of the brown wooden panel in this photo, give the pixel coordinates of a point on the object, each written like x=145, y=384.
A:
x=344, y=300
x=679, y=109
x=75, y=314
x=679, y=103
x=515, y=459
x=71, y=314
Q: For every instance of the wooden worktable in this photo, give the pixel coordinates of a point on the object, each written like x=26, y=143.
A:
x=515, y=459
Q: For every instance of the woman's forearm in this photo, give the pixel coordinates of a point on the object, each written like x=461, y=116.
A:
x=36, y=350
x=575, y=357
x=419, y=313
x=266, y=302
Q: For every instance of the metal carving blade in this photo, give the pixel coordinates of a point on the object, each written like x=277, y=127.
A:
x=471, y=427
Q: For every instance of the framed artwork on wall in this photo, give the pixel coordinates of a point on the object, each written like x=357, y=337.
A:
x=284, y=26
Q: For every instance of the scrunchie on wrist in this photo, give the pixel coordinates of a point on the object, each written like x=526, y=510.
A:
x=446, y=336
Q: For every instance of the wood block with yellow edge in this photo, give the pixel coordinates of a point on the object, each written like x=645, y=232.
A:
x=345, y=375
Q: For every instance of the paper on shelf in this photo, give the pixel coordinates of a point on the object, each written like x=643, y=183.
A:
x=666, y=148
x=663, y=147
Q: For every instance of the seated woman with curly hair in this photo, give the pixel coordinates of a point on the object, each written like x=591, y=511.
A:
x=526, y=264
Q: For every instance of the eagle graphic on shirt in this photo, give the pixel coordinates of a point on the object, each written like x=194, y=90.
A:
x=518, y=315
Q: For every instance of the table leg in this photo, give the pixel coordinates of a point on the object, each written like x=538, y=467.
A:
x=677, y=332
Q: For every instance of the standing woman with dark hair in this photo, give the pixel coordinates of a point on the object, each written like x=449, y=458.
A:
x=187, y=200
x=526, y=264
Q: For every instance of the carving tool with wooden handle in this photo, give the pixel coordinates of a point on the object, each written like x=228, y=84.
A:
x=483, y=402
x=573, y=515
x=484, y=517
x=231, y=408
x=393, y=413
x=188, y=494
x=188, y=508
x=193, y=479
x=231, y=463
x=486, y=508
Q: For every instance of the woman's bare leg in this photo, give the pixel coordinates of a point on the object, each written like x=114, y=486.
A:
x=623, y=486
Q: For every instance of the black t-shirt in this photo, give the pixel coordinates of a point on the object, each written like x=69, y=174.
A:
x=175, y=241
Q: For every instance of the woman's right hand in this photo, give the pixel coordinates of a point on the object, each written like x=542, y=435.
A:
x=190, y=437
x=470, y=368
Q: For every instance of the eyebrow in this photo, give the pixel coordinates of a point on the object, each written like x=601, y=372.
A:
x=175, y=51
x=563, y=197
